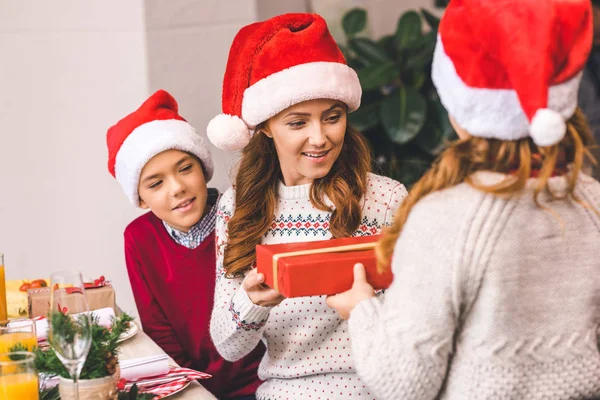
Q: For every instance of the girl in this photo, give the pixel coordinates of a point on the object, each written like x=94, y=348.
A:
x=496, y=290
x=303, y=176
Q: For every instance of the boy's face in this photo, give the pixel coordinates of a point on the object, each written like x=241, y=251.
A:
x=172, y=186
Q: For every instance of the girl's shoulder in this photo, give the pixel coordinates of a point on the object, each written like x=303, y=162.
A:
x=227, y=202
x=384, y=191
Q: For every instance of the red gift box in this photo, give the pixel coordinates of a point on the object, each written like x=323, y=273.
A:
x=319, y=268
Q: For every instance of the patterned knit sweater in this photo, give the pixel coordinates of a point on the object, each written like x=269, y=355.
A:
x=492, y=299
x=308, y=346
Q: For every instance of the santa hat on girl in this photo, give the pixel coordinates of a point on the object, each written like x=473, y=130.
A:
x=511, y=69
x=275, y=64
x=151, y=129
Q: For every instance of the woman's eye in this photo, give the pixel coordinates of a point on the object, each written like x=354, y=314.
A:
x=334, y=118
x=155, y=185
x=296, y=124
x=186, y=168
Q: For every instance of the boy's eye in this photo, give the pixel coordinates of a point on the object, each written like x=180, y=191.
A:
x=155, y=185
x=186, y=168
x=296, y=124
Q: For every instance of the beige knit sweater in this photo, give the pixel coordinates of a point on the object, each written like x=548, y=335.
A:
x=492, y=299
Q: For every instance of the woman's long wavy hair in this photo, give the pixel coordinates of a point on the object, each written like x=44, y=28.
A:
x=463, y=158
x=256, y=196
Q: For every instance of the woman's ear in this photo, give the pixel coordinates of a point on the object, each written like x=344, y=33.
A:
x=264, y=129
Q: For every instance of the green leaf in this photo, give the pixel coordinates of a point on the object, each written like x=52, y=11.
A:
x=354, y=21
x=424, y=56
x=431, y=138
x=409, y=30
x=388, y=43
x=410, y=170
x=367, y=51
x=376, y=75
x=403, y=114
x=365, y=117
x=431, y=19
x=418, y=78
x=345, y=52
x=437, y=131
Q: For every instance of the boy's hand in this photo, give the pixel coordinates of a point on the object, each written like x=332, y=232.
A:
x=345, y=302
x=259, y=293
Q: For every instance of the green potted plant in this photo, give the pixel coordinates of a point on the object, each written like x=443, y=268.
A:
x=99, y=374
x=401, y=114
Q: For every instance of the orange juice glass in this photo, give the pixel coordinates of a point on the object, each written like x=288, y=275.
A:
x=20, y=331
x=18, y=377
x=3, y=313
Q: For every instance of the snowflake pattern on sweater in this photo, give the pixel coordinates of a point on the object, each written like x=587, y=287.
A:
x=309, y=352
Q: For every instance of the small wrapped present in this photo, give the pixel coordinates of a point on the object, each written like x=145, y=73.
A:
x=319, y=268
x=98, y=297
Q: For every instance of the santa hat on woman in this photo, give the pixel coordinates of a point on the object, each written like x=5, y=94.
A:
x=151, y=129
x=511, y=69
x=275, y=64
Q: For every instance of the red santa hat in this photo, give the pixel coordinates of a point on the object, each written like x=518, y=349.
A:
x=275, y=64
x=511, y=69
x=151, y=129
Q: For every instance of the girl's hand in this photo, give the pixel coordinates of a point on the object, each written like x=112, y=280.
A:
x=361, y=290
x=259, y=293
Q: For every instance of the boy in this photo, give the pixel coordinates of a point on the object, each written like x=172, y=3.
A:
x=163, y=165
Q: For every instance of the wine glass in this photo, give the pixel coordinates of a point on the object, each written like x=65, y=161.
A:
x=70, y=328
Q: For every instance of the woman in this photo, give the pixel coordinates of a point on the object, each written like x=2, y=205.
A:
x=496, y=289
x=303, y=176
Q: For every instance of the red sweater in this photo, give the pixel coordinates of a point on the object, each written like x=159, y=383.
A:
x=174, y=289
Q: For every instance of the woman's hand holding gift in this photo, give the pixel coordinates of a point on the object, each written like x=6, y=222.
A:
x=259, y=293
x=361, y=290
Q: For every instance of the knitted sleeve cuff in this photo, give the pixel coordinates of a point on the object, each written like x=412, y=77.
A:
x=364, y=316
x=246, y=314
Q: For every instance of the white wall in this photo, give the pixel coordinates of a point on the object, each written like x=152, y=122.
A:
x=188, y=43
x=69, y=70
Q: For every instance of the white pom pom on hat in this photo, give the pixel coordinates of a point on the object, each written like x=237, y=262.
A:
x=496, y=84
x=547, y=127
x=228, y=132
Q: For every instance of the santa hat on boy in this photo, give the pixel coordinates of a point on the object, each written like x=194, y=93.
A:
x=511, y=69
x=151, y=129
x=275, y=64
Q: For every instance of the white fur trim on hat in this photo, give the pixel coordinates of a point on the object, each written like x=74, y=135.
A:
x=150, y=139
x=495, y=113
x=228, y=132
x=316, y=80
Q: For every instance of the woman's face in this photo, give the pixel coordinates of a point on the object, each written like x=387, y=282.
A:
x=308, y=137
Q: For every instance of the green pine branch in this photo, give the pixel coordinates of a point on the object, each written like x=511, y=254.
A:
x=104, y=349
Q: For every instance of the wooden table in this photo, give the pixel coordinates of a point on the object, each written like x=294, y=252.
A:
x=142, y=346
